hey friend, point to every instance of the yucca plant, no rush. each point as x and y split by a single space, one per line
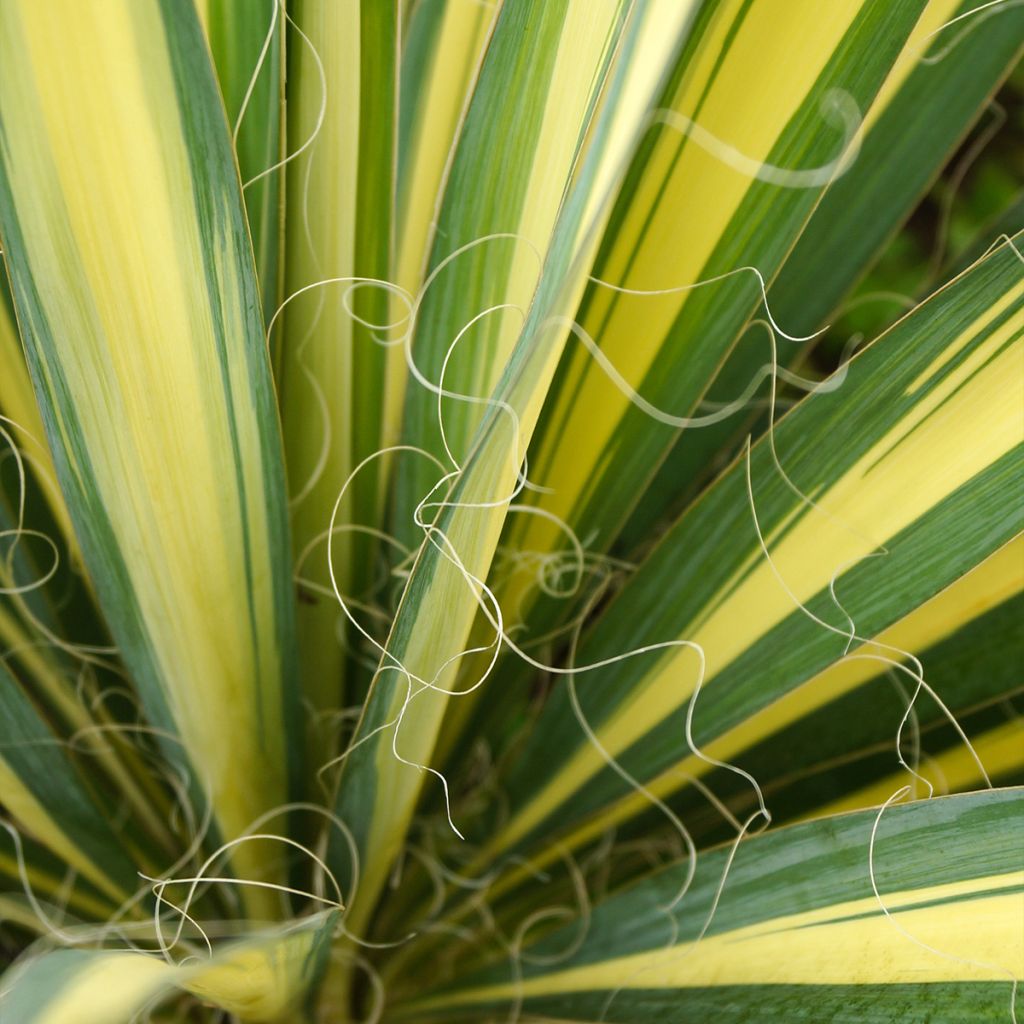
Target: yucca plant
451 569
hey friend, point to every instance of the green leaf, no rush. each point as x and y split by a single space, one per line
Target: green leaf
258 980
150 366
874 916
341 134
43 793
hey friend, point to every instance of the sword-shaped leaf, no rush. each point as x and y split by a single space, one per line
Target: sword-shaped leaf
131 270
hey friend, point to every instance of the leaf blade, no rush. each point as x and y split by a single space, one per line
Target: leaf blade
804 892
154 380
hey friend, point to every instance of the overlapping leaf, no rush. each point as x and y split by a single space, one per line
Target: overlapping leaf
442 596
773 574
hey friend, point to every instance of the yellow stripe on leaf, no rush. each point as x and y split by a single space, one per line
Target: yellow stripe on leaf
318 381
